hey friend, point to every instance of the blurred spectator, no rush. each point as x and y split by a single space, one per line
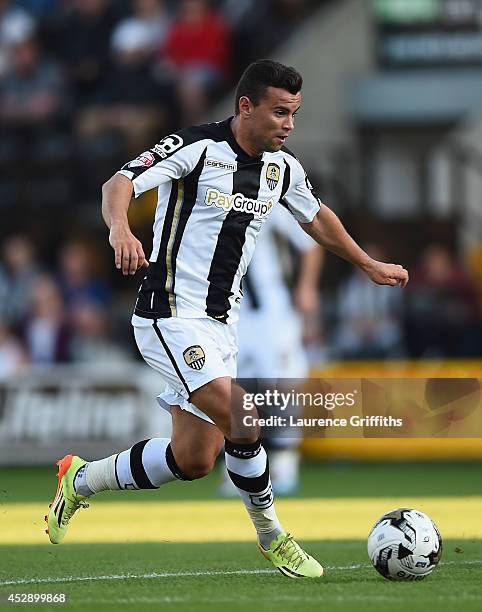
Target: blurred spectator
131 104
32 106
12 356
266 25
441 312
45 332
154 16
32 91
84 40
235 11
18 271
77 282
41 9
15 25
370 323
118 107
92 335
198 49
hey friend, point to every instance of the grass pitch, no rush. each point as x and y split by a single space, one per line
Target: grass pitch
159 569
215 576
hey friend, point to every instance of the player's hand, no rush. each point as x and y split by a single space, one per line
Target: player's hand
129 254
306 299
386 273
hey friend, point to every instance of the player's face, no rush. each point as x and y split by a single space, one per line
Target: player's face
273 118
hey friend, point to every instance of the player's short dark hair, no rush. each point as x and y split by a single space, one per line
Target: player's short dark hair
265 73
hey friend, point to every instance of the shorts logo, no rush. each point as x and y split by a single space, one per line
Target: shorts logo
194 357
273 173
214 163
238 202
145 159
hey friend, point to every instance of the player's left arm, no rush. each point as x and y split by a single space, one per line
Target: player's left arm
306 292
328 231
322 224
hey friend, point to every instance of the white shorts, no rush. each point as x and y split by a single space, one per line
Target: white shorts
270 345
187 353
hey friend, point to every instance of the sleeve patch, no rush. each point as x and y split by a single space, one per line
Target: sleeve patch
168 145
144 160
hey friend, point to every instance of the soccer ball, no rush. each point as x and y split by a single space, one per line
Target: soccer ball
404 544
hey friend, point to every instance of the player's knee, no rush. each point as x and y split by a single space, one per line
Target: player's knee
198 467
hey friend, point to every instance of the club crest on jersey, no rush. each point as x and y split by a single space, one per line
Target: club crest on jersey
194 357
238 202
273 173
145 159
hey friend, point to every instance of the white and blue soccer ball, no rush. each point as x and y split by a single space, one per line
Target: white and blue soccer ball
404 544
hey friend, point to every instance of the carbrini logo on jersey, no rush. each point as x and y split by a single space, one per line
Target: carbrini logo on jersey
238 202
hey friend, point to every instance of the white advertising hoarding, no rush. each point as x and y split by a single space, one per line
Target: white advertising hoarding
87 411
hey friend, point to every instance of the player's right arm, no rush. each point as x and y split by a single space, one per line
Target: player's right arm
116 197
173 157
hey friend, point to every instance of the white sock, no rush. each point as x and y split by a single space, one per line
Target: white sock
247 466
80 483
146 465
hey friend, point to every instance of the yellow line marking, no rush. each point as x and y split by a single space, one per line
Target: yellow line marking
226 520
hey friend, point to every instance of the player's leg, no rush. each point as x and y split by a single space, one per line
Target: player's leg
188 455
148 464
170 347
195 444
291 364
247 465
266 356
284 457
246 459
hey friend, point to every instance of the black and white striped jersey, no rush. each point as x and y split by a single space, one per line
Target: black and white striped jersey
213 199
265 288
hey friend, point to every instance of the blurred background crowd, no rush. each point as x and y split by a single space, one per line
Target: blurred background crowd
72 309
86 85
